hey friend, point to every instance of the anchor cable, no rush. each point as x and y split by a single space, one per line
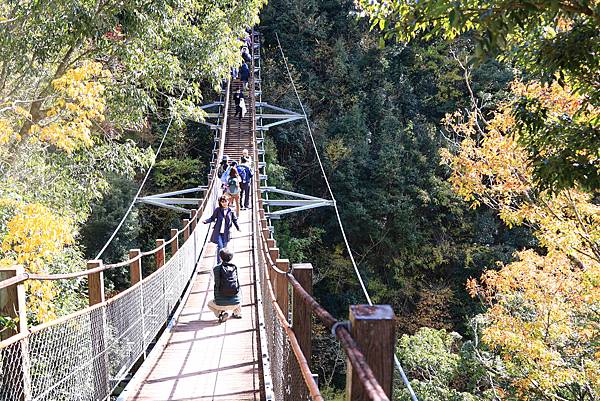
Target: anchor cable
135 198
337 213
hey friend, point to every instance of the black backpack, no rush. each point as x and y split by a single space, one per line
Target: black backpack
229 280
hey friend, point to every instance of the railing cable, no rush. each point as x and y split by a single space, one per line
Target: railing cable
141 185
337 213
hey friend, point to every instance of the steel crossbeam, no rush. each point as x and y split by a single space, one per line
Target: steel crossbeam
156 202
166 200
284 116
303 202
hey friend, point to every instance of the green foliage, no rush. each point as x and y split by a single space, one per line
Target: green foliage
553 42
415 241
8 323
177 173
441 368
84 88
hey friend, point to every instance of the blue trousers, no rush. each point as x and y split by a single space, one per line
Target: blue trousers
245 195
220 245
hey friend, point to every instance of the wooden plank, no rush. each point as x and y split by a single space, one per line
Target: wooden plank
12 301
175 243
160 254
205 360
135 268
95 283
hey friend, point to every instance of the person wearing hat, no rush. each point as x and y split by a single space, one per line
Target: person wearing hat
223 166
227 294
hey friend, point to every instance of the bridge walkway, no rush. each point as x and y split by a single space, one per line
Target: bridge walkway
202 359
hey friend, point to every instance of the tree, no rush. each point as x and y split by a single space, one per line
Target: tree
443 367
78 82
542 309
554 42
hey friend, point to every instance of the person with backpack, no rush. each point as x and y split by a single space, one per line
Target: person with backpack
227 295
234 184
224 218
246 179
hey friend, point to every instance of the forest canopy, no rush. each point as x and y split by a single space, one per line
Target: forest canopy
82 85
550 42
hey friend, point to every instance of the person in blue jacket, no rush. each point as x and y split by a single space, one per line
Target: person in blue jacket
224 218
246 179
245 74
227 294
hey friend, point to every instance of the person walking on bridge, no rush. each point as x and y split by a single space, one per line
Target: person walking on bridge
234 185
227 289
245 74
248 158
246 179
224 218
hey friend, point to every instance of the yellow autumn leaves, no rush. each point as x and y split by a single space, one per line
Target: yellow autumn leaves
542 309
34 233
79 103
69 113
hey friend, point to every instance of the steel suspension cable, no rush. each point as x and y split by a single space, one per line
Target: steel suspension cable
337 213
135 198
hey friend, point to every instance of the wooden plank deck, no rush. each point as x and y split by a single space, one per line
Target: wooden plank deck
205 360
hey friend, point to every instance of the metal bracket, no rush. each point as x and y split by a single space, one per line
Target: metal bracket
283 116
302 202
167 201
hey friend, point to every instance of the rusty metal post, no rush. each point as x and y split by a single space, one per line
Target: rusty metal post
160 254
301 311
175 243
374 330
135 267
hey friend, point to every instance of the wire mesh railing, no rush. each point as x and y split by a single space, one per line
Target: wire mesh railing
290 377
293 375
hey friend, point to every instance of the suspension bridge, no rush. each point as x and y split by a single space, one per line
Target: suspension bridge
157 340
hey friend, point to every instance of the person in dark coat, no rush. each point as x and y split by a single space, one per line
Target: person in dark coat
223 217
237 99
246 55
222 303
223 166
245 74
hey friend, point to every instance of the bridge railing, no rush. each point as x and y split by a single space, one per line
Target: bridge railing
85 355
290 344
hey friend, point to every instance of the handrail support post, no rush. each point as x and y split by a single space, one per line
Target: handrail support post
373 327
